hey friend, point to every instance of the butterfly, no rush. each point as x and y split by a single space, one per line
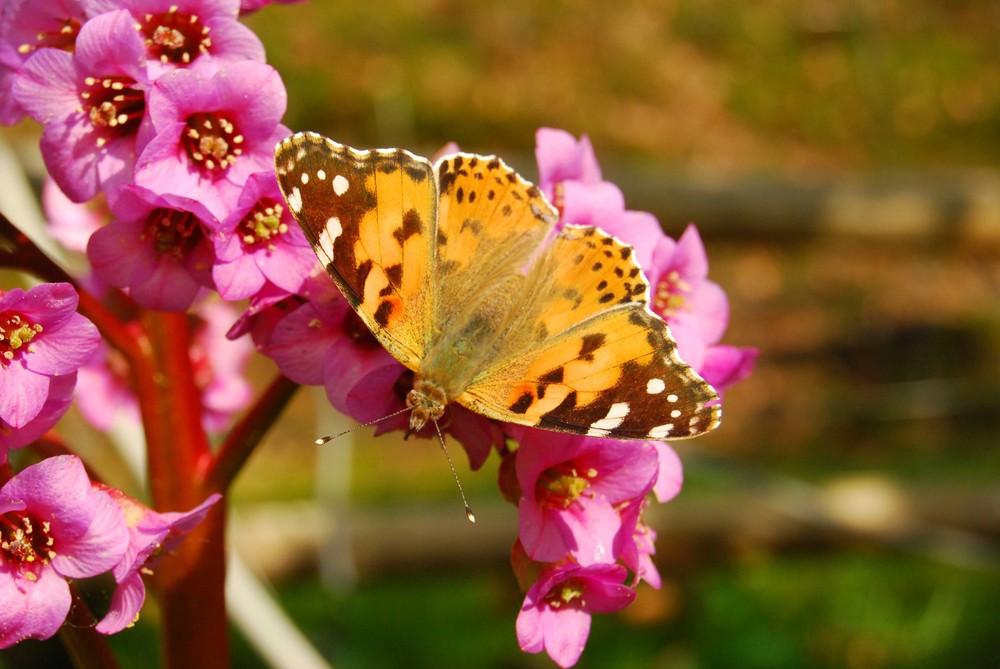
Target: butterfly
457 271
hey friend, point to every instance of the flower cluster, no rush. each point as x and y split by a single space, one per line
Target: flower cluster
57 526
167 111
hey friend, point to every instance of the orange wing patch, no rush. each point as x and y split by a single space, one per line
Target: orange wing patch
489 218
370 217
588 272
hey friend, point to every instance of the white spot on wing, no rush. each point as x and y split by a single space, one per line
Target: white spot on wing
295 199
616 414
671 397
321 175
328 235
655 386
340 184
305 178
661 431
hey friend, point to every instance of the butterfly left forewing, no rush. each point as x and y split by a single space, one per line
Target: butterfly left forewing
370 216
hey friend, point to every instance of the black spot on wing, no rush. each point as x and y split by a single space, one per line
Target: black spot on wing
591 343
383 312
412 225
446 178
553 376
523 403
416 172
395 274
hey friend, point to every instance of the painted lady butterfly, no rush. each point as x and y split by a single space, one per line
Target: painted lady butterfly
452 268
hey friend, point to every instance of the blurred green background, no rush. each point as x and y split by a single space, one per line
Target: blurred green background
840 159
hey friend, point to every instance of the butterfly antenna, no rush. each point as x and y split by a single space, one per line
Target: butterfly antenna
323 440
468 509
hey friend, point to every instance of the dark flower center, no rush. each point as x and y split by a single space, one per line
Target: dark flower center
62 36
175 37
212 142
568 593
113 105
561 485
671 294
262 224
173 232
25 543
16 331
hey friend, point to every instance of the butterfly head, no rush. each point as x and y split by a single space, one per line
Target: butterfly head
427 402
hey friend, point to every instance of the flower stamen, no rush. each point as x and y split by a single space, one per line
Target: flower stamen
16 331
671 294
175 37
211 141
263 223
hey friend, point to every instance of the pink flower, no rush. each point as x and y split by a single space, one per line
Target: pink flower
151 536
41 337
56 404
696 309
157 247
571 487
556 612
260 242
670 477
53 526
636 544
181 33
25 27
92 103
215 125
562 158
725 365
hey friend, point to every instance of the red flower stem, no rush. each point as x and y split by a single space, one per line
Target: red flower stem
247 434
88 648
190 582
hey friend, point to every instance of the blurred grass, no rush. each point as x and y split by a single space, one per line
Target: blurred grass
863 611
716 85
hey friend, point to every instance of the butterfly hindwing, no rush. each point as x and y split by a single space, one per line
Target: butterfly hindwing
599 362
370 216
